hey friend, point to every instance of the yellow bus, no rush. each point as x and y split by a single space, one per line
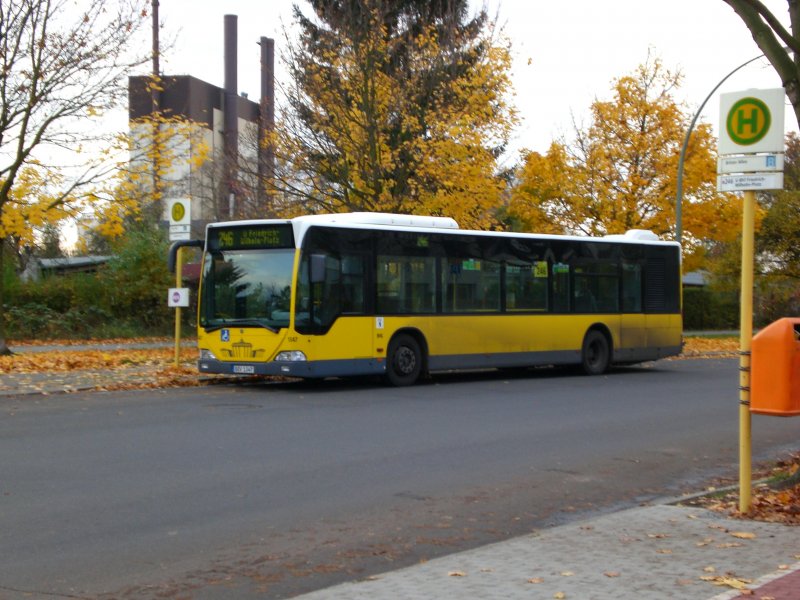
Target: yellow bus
402 296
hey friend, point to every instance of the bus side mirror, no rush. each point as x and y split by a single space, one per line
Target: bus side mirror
318 268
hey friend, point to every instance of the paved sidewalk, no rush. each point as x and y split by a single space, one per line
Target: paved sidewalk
648 553
26 384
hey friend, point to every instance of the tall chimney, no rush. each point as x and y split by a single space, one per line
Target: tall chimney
266 153
231 114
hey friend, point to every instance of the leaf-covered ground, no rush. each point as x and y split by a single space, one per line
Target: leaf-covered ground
775 498
70 369
71 360
710 346
155 367
75 359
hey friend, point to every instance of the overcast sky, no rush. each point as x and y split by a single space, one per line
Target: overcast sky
566 53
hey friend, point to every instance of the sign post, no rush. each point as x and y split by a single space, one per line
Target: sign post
179 211
751 159
178 277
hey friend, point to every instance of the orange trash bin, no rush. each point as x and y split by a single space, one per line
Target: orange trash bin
775 369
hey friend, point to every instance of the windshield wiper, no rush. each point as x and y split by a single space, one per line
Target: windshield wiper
239 323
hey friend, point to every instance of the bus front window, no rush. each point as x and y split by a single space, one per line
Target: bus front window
247 288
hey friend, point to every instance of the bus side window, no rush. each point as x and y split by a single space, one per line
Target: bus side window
327 300
585 299
406 284
631 287
526 286
561 291
388 279
596 287
470 284
352 284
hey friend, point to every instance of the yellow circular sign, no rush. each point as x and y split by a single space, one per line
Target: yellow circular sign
178 211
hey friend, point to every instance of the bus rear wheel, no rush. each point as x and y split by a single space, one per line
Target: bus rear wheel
404 361
596 353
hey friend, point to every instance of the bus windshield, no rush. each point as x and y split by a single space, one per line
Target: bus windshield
247 288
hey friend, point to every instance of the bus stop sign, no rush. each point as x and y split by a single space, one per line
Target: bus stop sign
179 213
751 141
751 122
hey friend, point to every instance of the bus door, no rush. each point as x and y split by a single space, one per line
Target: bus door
340 308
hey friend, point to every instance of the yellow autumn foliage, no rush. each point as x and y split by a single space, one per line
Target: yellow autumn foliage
370 135
31 205
620 172
155 143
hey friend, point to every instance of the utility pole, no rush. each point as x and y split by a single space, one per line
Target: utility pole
155 112
231 117
156 51
266 142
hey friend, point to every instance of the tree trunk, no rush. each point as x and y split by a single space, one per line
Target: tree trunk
793 93
4 349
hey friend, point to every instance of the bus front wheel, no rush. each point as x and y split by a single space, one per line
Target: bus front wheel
596 353
404 361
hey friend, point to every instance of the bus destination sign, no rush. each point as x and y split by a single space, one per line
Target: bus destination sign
251 237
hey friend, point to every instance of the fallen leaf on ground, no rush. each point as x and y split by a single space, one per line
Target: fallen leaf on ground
736 583
536 580
457 574
744 535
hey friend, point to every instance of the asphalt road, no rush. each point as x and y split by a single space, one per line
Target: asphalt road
271 490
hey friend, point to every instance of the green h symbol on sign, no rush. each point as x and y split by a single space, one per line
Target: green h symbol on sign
751 121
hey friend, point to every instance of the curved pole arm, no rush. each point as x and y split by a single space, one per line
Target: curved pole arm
679 192
173 251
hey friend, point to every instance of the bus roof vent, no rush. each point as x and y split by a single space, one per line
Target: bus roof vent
635 235
369 218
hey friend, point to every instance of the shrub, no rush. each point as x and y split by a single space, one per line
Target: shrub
708 309
776 297
125 298
136 280
34 320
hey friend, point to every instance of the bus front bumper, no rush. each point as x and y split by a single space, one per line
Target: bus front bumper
309 369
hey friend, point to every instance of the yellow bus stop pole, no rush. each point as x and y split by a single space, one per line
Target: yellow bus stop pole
178 282
745 344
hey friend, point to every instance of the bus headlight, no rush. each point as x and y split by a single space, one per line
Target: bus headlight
207 354
291 356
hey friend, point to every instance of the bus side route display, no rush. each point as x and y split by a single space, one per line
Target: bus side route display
247 237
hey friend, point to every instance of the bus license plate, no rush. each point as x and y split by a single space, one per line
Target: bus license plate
244 369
